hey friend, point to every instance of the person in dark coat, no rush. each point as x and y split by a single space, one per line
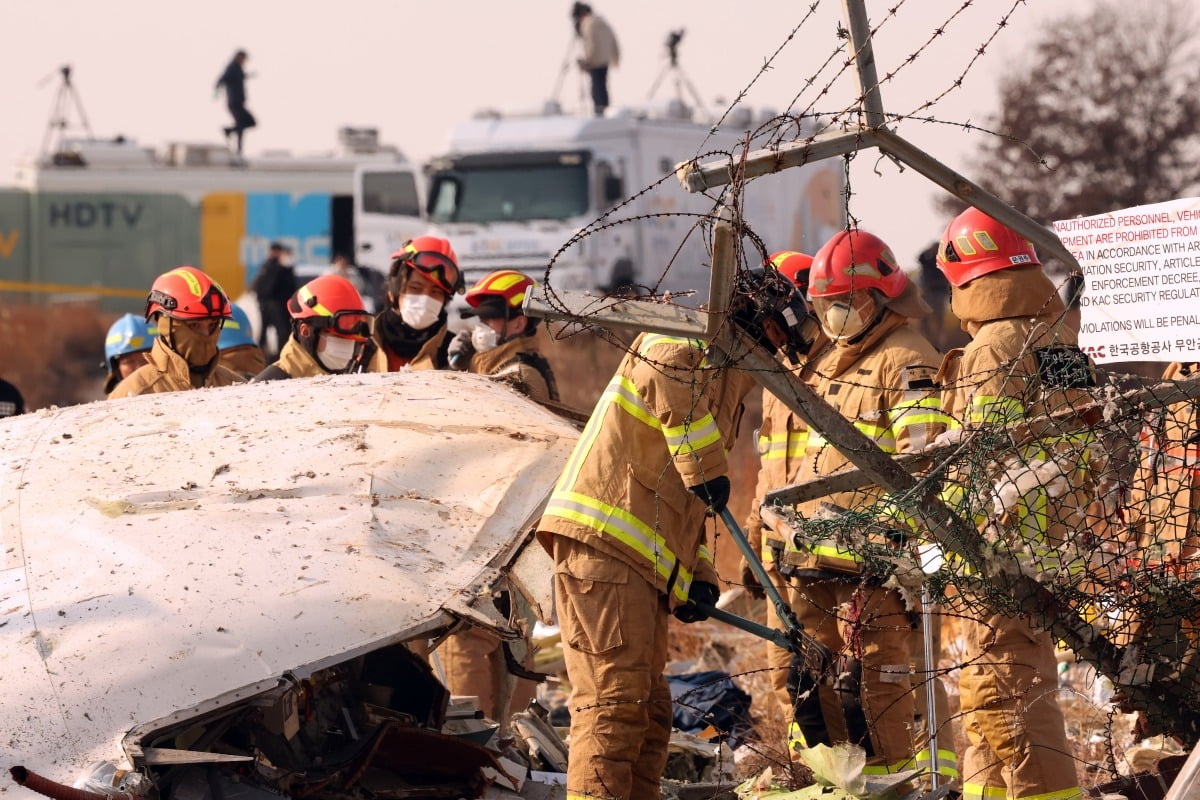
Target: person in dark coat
11 401
274 284
234 81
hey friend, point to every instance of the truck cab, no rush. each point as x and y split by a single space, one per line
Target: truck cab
592 203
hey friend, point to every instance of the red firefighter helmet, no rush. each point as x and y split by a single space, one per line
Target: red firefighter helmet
187 293
499 294
974 244
793 266
853 260
434 257
331 302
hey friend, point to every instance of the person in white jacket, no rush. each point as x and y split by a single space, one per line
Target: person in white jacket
600 51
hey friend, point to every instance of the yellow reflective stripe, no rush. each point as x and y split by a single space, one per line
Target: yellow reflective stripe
947 762
991 409
625 394
887 769
692 436
625 528
587 438
887 445
306 295
783 445
975 791
834 551
657 338
888 508
704 554
796 738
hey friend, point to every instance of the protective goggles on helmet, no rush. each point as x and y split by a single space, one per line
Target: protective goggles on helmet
439 268
352 324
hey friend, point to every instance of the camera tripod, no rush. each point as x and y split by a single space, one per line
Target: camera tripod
682 81
64 100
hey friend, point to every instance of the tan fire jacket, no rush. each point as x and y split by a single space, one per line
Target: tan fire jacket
885 386
168 372
298 362
1018 366
512 362
246 360
663 424
383 360
1164 499
782 442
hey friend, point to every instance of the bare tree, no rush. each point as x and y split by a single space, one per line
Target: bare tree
1105 115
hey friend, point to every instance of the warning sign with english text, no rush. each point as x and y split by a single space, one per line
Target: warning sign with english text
1141 271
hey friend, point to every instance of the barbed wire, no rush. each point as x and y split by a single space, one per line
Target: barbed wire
1093 505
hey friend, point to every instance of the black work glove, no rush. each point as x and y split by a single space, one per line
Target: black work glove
460 351
714 493
698 592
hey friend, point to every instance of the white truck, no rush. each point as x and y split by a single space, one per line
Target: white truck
511 191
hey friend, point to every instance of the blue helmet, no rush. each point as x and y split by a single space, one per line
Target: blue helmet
237 331
129 334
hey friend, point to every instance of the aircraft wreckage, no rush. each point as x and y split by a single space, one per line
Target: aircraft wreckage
207 594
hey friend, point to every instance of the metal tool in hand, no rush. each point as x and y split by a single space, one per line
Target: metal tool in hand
817 656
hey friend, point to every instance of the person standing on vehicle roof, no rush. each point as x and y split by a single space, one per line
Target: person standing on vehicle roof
239 352
412 332
330 328
126 348
878 375
233 79
274 285
187 308
600 51
1022 362
625 527
503 344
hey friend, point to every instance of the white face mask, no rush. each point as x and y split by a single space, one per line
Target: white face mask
484 338
419 311
335 353
846 317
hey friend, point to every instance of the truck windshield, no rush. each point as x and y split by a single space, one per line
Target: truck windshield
509 193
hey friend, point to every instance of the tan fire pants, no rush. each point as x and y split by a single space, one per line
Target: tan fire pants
779 661
614 634
1009 691
871 625
473 662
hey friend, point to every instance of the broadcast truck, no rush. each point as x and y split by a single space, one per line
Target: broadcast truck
512 192
105 216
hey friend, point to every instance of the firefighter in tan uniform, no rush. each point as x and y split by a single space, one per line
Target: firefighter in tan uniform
879 375
1021 362
411 332
240 352
126 347
782 440
1164 510
187 308
330 328
625 526
503 345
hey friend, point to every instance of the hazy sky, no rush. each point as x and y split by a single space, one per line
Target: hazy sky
146 69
